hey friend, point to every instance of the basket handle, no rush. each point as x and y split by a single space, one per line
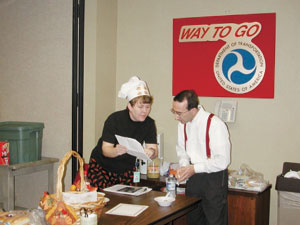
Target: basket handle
60 172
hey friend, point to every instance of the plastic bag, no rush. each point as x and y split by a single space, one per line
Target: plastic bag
288 199
246 178
30 217
37 217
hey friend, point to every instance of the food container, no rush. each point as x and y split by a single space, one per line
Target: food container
4 153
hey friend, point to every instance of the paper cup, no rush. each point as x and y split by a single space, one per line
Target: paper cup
91 219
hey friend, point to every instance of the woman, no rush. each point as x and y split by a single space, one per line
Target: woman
109 162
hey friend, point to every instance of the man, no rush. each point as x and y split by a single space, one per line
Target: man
203 149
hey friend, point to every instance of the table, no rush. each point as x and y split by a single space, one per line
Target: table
155 214
8 173
244 207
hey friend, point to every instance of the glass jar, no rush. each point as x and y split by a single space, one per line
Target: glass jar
153 168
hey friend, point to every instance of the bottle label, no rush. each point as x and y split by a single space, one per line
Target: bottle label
171 186
153 169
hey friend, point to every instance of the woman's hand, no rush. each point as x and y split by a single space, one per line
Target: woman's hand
110 151
151 150
120 149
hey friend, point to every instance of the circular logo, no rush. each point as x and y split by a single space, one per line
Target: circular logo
239 67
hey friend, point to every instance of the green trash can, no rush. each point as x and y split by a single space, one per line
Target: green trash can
25 140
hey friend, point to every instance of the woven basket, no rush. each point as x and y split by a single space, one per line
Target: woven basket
90 206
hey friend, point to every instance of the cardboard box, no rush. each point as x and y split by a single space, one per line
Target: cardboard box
288 210
4 153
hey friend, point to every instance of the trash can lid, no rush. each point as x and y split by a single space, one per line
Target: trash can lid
20 125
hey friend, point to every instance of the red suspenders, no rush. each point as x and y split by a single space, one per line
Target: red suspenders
207 135
185 136
208 154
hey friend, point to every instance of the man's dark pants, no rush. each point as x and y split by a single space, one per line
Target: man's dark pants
212 188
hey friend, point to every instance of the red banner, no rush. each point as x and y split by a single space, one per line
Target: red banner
225 56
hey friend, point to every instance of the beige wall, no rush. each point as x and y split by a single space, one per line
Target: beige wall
36 79
90 72
265 132
100 68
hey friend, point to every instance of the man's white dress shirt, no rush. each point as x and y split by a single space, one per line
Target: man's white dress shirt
195 152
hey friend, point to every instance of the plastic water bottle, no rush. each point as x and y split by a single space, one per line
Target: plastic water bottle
171 185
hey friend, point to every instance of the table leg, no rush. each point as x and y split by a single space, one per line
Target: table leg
11 191
50 179
2 187
8 189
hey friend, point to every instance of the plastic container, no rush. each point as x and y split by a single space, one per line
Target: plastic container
153 168
4 153
171 185
25 140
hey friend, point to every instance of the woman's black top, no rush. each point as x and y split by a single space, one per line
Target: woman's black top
121 124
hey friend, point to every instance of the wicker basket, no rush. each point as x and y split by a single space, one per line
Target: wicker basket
90 206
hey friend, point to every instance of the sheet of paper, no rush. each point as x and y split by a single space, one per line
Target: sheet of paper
133 146
123 209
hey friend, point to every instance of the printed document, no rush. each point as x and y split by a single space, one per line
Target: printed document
133 146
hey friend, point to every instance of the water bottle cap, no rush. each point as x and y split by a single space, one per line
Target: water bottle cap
173 172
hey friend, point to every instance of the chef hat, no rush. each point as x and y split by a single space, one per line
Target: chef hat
133 88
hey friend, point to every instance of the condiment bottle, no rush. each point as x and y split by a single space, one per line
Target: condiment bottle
153 168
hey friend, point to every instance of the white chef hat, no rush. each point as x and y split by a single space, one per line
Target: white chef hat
133 88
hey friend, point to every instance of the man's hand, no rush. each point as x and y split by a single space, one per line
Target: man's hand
185 172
